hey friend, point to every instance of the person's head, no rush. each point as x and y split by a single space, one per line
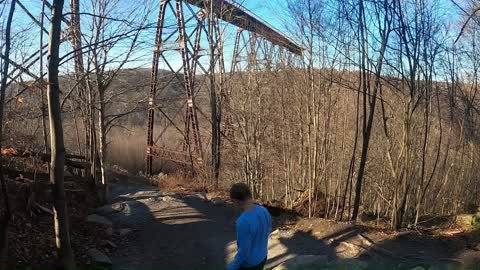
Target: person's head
240 194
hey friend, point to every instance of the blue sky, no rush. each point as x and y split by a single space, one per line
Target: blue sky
272 11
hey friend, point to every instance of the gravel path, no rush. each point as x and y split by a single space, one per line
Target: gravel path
171 232
185 232
177 232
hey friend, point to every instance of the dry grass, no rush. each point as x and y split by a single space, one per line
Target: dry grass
180 182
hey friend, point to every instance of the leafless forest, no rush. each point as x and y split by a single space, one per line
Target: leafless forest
377 121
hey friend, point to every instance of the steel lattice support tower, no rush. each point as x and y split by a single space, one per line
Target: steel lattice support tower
192 153
188 48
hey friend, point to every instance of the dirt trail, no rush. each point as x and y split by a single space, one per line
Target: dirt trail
171 232
183 232
174 231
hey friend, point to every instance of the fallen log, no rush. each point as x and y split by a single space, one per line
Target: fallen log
372 245
332 240
45 157
44 209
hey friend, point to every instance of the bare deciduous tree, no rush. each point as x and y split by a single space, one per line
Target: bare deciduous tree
6 214
62 233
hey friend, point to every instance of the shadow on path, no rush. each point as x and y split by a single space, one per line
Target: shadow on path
187 232
171 232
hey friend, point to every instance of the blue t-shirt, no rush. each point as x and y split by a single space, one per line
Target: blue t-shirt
253 228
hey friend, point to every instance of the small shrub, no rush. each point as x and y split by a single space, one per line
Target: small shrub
179 182
476 221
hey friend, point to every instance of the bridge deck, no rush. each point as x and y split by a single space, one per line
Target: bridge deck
237 15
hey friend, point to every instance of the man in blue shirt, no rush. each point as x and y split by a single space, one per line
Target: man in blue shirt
253 229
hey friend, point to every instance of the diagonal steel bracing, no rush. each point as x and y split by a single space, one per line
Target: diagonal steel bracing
254 42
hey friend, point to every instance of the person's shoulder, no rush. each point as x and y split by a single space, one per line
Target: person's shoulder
243 222
242 219
263 209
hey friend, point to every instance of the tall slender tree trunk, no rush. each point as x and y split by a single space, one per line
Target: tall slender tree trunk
372 98
214 97
79 77
424 153
103 187
92 137
5 217
351 166
365 130
62 234
42 84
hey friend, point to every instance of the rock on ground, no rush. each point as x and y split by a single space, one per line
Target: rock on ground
94 218
108 243
201 196
140 194
347 250
124 231
110 209
98 257
282 233
168 198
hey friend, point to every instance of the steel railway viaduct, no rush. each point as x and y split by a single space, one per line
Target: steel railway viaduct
204 17
189 34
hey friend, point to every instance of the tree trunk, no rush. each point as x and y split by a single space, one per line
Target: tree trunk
92 143
365 127
351 166
42 84
214 100
80 73
103 188
372 99
5 217
62 235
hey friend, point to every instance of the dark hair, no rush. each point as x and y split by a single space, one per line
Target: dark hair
240 191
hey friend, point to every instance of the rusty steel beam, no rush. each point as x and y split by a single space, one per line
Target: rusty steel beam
236 14
25 69
253 33
19 67
172 155
153 86
194 141
192 146
31 16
